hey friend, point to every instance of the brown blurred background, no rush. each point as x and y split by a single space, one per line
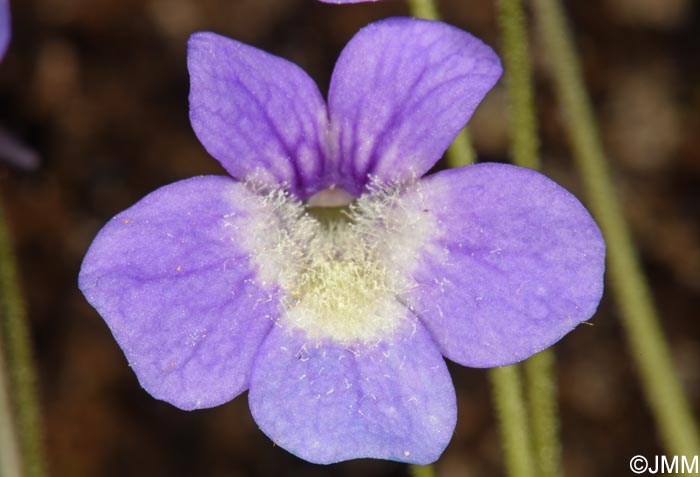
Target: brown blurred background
99 88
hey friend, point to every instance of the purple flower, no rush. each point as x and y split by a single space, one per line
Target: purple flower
5 30
336 319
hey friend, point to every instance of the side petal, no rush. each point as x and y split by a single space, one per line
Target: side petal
401 91
326 403
174 282
260 116
516 263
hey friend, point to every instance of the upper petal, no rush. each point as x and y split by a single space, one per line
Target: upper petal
172 278
516 263
326 403
401 91
261 116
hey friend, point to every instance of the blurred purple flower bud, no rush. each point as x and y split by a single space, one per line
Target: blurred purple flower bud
5 28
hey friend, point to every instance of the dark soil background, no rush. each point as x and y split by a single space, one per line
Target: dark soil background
99 89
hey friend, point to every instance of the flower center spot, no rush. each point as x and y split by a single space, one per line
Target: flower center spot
340 269
346 298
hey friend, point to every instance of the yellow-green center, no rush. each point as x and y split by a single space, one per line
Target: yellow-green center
340 269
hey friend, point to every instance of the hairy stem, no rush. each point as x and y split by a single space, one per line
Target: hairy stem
460 153
649 348
424 9
512 418
518 79
10 460
14 343
544 419
422 471
539 370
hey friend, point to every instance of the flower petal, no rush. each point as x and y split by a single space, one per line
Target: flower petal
401 91
261 116
5 28
517 262
173 280
326 403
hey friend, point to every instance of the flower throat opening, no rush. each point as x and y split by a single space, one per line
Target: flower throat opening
340 268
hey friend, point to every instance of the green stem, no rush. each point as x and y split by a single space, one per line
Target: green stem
649 348
460 153
544 421
422 471
518 79
10 461
512 417
509 405
539 370
423 9
15 344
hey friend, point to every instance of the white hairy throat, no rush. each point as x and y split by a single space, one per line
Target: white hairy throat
341 269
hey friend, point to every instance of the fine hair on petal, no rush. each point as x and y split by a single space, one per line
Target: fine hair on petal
341 279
